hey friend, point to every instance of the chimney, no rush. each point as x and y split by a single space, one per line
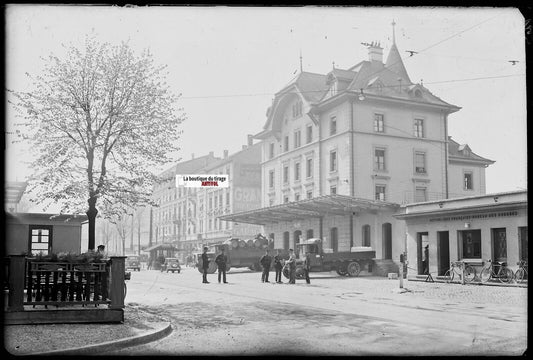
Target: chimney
225 154
211 154
375 52
250 140
244 147
192 156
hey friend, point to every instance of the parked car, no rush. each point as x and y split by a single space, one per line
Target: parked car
171 264
133 262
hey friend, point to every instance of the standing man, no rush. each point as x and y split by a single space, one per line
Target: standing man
266 261
426 260
278 266
205 265
221 261
292 267
307 267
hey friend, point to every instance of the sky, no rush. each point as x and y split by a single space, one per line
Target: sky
228 63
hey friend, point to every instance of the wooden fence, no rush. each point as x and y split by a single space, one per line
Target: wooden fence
56 292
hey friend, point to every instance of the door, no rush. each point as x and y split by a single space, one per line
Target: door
499 244
443 249
421 246
386 233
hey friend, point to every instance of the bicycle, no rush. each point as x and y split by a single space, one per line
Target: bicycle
459 268
521 274
497 270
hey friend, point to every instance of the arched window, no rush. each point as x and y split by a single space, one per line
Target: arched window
309 234
366 235
286 240
334 239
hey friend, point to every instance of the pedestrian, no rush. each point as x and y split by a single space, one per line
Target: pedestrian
426 260
307 267
205 265
292 267
100 250
278 266
221 261
150 261
266 261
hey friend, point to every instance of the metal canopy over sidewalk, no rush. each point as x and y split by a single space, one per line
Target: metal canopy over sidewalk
309 208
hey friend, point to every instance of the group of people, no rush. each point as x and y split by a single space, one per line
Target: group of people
266 262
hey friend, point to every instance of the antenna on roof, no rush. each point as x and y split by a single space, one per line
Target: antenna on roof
301 64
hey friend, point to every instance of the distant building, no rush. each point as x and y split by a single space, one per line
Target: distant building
243 193
175 216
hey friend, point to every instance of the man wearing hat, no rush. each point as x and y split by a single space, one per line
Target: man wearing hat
266 261
205 265
221 261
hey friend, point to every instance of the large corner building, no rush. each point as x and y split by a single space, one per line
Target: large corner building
342 151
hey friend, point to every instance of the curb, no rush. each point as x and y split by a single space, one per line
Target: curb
113 345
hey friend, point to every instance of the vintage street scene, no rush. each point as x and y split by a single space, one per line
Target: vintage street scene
276 181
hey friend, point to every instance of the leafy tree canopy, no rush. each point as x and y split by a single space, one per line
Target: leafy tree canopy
99 120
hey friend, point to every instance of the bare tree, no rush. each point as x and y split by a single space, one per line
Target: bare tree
100 121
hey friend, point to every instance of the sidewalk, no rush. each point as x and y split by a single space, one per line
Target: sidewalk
78 339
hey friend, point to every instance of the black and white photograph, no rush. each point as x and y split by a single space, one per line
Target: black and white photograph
265 180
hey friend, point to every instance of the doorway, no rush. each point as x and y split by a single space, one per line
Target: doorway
386 236
499 244
443 250
422 244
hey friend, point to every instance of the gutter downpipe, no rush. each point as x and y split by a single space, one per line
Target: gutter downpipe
352 168
446 154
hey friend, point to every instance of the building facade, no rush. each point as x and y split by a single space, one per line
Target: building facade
367 133
243 193
473 229
189 217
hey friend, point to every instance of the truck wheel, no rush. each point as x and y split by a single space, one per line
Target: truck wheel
300 273
341 272
227 268
212 267
285 271
353 268
257 267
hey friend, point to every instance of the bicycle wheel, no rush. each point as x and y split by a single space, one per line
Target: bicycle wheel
519 275
506 275
448 276
486 274
469 273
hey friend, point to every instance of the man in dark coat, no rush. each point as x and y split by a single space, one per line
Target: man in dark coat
221 260
266 261
307 267
278 266
205 265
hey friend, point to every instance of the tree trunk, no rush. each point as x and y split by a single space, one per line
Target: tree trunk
91 216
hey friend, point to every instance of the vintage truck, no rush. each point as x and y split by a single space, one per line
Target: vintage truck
345 263
240 254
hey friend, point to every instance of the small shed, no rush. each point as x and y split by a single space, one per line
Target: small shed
35 232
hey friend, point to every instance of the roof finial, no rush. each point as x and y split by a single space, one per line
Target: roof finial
393 32
301 64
